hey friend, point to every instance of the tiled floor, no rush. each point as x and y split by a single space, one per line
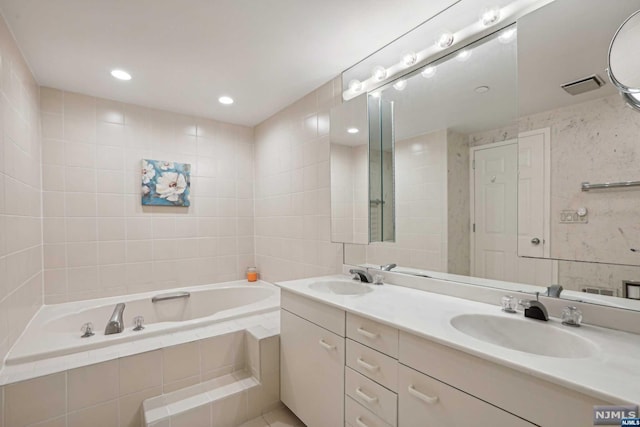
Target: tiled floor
281 417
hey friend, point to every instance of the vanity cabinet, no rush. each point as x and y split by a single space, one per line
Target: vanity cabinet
338 368
312 361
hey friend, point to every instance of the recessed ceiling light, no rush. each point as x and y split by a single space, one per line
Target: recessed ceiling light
353 130
226 100
121 74
482 89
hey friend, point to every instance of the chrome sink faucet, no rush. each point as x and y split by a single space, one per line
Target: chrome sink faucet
361 274
535 309
554 291
388 267
115 324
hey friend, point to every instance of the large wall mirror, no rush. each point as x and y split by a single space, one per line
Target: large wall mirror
492 146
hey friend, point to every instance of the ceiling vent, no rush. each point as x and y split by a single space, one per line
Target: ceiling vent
583 85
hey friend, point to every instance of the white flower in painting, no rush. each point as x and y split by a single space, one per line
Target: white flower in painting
166 165
148 172
170 186
145 190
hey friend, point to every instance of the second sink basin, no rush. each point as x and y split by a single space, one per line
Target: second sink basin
526 335
340 287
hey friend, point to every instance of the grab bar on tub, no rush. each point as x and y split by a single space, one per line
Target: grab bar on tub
170 295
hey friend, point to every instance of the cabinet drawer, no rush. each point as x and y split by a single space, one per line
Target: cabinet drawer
357 416
324 315
373 334
374 397
424 401
373 364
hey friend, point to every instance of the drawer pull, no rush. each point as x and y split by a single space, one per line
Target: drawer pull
367 334
360 422
365 396
369 367
327 346
427 399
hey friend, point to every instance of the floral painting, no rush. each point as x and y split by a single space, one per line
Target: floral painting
165 183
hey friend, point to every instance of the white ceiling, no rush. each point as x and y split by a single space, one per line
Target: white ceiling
183 55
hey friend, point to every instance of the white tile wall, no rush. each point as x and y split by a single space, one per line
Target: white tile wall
292 199
99 240
20 188
421 206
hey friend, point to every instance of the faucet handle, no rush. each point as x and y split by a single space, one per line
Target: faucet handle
87 330
138 322
509 304
571 316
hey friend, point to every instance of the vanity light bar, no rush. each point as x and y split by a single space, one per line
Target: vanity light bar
478 29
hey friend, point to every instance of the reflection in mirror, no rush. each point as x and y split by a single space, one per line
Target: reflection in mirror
570 127
381 171
349 143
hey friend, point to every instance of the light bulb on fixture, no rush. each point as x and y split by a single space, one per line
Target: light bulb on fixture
490 17
409 59
463 55
353 130
355 85
379 73
400 85
429 72
507 35
445 40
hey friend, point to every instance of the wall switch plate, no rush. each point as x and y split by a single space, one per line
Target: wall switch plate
572 217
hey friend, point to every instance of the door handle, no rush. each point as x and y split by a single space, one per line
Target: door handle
324 344
364 396
535 241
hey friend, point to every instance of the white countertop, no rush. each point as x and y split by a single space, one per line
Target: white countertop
612 374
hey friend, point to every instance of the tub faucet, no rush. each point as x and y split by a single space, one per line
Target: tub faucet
554 291
361 274
115 324
388 267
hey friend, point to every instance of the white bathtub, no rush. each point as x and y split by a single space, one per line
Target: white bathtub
55 330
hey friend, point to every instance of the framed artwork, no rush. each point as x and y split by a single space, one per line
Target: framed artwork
165 183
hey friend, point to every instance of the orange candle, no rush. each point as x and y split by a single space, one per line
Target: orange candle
252 274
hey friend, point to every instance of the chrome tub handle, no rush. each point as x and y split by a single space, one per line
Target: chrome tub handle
170 295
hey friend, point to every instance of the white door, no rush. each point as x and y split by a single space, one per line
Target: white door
502 216
495 212
533 194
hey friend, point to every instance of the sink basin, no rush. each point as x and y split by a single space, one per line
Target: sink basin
340 287
526 335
